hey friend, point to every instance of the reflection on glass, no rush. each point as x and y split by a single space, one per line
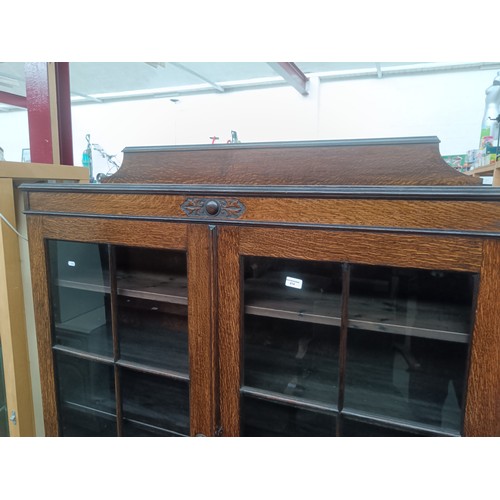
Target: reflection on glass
408 335
291 358
155 400
86 397
138 429
79 285
407 344
153 333
4 419
266 419
355 428
295 290
291 327
152 307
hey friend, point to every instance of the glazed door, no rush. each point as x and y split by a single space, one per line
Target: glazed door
348 334
123 351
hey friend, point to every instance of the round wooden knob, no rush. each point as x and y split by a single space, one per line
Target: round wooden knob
212 207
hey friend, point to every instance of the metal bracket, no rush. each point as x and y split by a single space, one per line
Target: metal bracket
13 417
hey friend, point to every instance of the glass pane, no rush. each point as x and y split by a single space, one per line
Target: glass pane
155 400
266 419
4 419
86 397
136 429
291 329
79 285
152 307
355 428
407 344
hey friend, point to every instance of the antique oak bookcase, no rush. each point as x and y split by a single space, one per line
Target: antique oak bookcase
322 288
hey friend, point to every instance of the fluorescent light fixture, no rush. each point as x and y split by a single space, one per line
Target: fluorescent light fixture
178 90
403 69
151 92
252 81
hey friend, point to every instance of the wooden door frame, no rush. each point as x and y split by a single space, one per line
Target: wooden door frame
144 234
443 252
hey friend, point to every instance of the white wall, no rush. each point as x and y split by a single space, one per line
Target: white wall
14 134
448 105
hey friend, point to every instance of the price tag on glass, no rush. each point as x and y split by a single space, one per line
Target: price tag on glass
293 282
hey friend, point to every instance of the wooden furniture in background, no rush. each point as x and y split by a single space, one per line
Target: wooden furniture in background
492 170
315 288
17 333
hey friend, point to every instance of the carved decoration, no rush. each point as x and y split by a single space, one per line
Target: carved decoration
230 208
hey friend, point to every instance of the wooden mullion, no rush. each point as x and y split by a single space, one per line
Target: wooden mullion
201 330
77 353
115 337
138 367
296 402
344 323
230 329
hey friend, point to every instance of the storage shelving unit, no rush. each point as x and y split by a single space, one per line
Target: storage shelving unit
319 288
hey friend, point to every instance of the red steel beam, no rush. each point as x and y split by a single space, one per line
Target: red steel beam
64 113
49 112
292 74
12 99
38 104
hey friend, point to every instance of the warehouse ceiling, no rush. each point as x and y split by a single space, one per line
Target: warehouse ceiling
93 82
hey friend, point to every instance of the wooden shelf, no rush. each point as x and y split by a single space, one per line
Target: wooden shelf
20 171
435 321
380 398
493 169
161 288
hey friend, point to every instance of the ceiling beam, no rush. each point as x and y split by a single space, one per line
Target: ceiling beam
86 96
13 99
198 75
292 74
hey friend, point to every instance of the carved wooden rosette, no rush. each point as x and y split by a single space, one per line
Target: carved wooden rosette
209 207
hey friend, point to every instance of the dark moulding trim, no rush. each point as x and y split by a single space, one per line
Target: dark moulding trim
457 193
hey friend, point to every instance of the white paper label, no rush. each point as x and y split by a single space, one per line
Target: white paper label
293 282
71 263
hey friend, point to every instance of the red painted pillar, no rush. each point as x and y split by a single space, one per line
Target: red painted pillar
38 104
64 113
50 136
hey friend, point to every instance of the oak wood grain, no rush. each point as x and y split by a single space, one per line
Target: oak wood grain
117 232
107 204
202 328
482 415
230 328
316 164
399 250
442 215
42 322
449 215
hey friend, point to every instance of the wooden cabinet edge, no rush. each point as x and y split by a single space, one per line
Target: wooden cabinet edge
42 324
482 414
